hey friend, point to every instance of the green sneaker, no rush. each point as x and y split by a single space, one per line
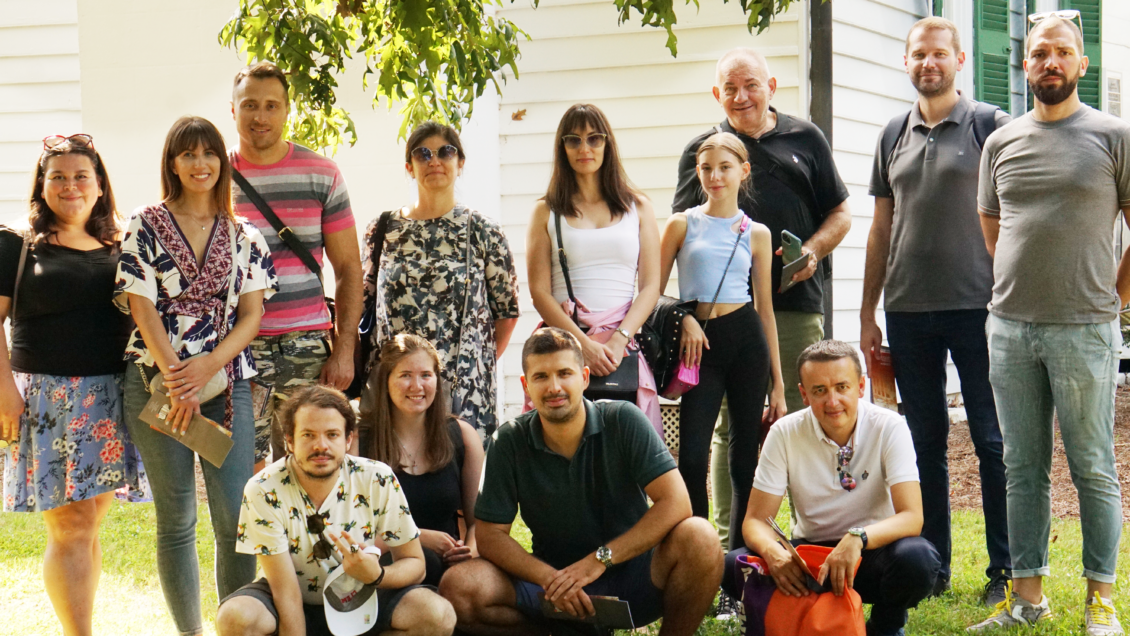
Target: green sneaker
1102 620
1013 611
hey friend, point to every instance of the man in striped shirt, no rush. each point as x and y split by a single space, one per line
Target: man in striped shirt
297 343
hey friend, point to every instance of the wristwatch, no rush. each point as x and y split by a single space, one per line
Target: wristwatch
861 533
604 555
623 332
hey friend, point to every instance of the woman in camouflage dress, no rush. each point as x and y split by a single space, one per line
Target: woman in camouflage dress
445 273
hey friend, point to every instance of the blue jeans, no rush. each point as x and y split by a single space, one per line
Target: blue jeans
919 342
170 466
1039 370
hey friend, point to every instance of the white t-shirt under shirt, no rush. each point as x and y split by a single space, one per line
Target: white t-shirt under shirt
798 458
367 502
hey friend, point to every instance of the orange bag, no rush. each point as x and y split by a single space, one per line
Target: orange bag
822 614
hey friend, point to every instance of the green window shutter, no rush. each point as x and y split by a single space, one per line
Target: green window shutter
938 7
991 48
1090 85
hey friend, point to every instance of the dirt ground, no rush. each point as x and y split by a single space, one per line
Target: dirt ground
965 481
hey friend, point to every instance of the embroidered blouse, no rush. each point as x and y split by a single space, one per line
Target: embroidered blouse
158 263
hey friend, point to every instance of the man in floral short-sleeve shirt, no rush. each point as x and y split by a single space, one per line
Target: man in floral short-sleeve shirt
318 508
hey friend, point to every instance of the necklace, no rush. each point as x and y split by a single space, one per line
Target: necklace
411 458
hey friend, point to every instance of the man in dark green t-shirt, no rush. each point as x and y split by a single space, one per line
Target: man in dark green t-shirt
581 474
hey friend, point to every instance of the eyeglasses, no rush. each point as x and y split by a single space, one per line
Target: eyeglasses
80 140
316 524
1066 14
425 154
594 141
843 459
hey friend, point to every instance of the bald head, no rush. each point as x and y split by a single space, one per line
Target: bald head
741 57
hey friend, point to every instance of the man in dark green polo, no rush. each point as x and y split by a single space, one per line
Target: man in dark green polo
581 474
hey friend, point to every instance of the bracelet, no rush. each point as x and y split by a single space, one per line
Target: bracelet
377 583
622 332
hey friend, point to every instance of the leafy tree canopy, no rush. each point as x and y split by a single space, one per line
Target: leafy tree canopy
431 56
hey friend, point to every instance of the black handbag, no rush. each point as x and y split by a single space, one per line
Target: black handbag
624 382
659 337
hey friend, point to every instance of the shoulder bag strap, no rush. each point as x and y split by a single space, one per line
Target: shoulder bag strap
285 233
19 275
564 261
231 279
726 270
377 247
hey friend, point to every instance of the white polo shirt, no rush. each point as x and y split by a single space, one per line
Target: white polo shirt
798 458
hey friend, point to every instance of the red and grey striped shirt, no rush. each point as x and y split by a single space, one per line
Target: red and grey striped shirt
307 192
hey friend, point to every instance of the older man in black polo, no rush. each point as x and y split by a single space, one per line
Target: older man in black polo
581 474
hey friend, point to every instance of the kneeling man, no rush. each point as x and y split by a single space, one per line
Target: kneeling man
850 472
581 473
316 509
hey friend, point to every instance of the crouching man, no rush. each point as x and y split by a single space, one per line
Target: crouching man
581 474
850 472
316 509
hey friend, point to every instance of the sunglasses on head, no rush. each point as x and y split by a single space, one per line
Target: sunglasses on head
425 154
843 459
594 140
316 524
1066 14
80 140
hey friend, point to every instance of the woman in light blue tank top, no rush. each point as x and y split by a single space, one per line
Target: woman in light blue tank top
722 256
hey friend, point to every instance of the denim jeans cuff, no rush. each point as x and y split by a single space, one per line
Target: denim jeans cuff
1098 577
1024 574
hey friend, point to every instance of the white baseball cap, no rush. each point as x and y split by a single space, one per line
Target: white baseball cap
350 605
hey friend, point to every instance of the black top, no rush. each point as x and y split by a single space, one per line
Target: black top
568 512
65 323
435 498
773 203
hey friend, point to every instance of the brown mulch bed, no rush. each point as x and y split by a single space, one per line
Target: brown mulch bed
965 481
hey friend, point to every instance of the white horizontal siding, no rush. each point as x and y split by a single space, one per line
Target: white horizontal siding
656 103
39 90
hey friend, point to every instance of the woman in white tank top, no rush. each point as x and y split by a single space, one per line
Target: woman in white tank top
609 233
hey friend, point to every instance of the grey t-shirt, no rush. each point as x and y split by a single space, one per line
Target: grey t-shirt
938 259
1057 188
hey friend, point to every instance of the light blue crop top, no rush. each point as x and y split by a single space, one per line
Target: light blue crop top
705 251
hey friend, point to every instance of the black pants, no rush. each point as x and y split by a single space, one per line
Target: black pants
892 579
736 366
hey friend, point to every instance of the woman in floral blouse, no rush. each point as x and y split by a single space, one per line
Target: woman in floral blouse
174 276
61 393
446 274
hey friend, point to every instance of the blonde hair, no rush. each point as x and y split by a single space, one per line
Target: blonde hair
933 23
730 143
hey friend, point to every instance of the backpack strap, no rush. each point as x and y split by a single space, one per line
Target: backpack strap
893 131
984 122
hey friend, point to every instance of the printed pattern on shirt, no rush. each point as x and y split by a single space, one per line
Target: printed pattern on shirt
307 192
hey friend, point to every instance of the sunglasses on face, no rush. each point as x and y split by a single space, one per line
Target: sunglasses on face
80 140
594 141
316 524
843 459
425 154
1066 14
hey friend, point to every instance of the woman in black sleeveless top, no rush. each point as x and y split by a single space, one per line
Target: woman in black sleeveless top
437 458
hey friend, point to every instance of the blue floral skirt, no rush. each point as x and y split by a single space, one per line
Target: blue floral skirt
72 444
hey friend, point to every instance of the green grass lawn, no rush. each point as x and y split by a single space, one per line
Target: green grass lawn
130 601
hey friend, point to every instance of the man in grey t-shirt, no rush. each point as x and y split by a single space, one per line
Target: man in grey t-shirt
926 255
1052 185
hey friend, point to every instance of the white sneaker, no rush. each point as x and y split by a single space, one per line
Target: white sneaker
1102 620
1014 610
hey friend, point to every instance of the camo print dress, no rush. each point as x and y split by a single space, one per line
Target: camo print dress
420 288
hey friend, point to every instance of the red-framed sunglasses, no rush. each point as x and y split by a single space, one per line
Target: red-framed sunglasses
81 140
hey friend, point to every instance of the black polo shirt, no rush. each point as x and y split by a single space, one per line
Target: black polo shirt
773 203
558 498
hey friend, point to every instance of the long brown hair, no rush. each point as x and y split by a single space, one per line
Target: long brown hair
615 187
104 222
438 447
186 134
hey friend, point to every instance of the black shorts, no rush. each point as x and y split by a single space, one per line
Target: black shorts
387 600
629 581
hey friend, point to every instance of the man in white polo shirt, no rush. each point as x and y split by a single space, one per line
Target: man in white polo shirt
850 472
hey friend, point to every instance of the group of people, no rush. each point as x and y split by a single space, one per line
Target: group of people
222 279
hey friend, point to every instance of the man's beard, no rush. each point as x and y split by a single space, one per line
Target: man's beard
944 84
331 470
561 414
1051 95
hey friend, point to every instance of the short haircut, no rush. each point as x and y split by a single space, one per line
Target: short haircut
935 23
828 351
551 340
741 52
432 129
262 70
318 396
1052 22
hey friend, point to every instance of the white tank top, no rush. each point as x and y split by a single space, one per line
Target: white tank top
602 262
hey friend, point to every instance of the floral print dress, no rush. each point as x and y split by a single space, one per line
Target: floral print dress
421 288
